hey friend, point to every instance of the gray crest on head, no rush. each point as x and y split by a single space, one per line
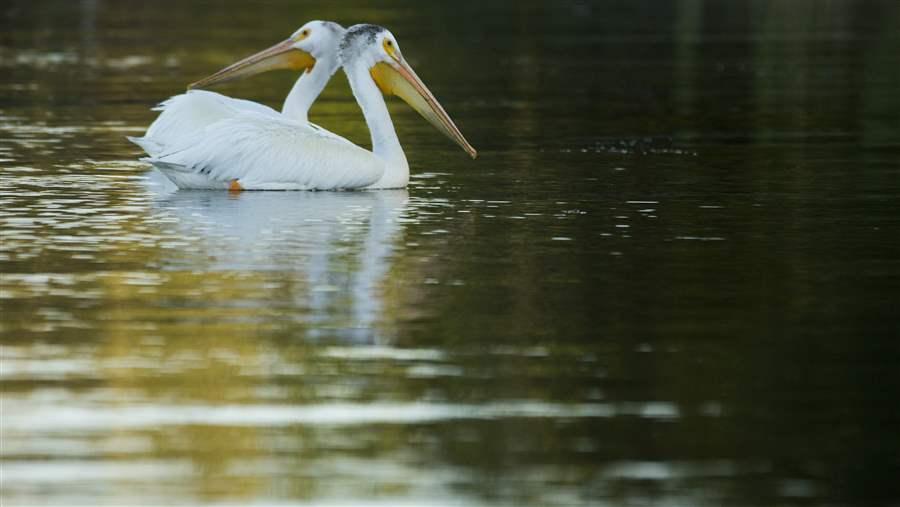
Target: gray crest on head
357 38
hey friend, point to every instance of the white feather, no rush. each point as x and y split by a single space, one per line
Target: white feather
185 114
266 152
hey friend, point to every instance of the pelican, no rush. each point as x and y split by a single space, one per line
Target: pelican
312 49
257 151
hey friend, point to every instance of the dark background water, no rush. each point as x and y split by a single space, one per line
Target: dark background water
671 277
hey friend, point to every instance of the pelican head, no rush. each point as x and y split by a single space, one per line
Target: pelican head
315 43
377 49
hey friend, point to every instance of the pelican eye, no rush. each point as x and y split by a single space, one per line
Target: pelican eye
390 47
302 35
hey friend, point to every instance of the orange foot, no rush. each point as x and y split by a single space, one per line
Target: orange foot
235 186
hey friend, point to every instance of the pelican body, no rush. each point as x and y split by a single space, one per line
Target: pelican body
253 149
311 49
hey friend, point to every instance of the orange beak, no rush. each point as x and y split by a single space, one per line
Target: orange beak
280 56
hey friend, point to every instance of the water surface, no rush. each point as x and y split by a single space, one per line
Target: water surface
670 278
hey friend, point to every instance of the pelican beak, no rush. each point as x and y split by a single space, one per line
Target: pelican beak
397 78
280 56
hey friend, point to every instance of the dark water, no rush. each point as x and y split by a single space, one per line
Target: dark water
671 278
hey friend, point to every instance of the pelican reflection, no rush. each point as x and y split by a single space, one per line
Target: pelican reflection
330 250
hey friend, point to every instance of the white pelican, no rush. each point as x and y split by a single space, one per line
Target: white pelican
255 151
313 49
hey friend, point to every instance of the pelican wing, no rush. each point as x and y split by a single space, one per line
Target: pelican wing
185 114
270 152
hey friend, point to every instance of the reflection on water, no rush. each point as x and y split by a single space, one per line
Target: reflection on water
338 243
669 278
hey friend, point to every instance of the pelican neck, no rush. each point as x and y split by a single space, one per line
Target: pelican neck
385 144
306 90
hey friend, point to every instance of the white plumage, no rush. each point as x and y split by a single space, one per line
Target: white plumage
266 152
191 112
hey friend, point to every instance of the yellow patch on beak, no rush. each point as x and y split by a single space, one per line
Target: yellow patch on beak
399 79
